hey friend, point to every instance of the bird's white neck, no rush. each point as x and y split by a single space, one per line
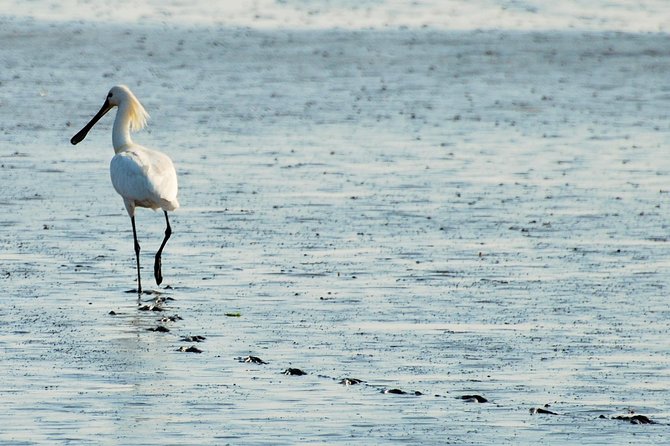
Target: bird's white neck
121 132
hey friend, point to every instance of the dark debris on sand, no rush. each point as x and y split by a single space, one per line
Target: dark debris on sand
351 381
251 360
146 292
473 399
401 392
541 411
633 419
193 338
153 307
191 349
293 372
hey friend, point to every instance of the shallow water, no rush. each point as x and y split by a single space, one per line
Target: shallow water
453 213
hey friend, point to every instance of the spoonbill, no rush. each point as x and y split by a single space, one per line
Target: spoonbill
143 177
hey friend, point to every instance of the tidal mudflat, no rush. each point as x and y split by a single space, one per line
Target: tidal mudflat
410 235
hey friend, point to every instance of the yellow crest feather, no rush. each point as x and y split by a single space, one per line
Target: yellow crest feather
137 114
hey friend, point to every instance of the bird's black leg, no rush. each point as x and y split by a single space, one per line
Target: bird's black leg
137 256
157 263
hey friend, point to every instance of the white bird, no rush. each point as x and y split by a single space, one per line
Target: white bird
143 177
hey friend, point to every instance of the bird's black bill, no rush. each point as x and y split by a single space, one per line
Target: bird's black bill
79 137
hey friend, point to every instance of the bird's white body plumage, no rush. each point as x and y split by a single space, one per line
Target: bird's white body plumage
143 177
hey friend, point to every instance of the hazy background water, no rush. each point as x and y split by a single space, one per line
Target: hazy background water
472 207
526 15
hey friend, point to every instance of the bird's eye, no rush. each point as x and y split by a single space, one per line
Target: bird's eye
109 95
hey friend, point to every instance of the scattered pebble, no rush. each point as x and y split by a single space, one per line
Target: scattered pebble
151 308
194 338
254 360
351 381
633 419
112 313
191 349
473 399
395 391
294 372
401 392
541 411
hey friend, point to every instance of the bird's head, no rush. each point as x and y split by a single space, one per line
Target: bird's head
118 96
121 96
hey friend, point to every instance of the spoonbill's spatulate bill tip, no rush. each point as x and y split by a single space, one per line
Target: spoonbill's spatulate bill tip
143 177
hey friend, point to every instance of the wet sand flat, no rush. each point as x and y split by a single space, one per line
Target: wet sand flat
445 212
